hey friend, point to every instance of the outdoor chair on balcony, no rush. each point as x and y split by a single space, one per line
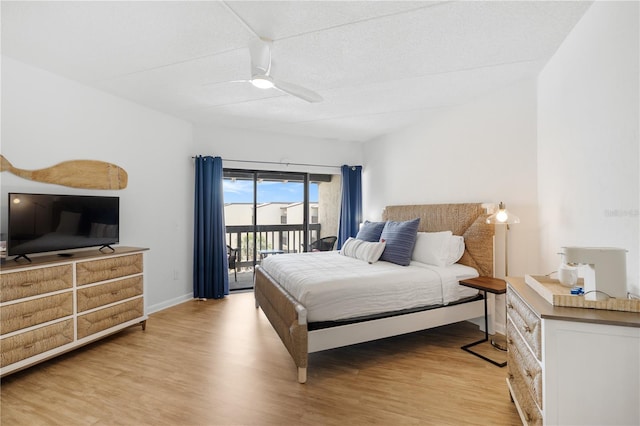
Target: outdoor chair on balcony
323 244
232 256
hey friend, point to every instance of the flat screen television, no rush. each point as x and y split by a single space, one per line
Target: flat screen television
40 223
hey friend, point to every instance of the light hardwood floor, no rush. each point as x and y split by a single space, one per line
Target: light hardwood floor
220 362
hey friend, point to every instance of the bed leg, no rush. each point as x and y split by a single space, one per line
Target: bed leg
302 375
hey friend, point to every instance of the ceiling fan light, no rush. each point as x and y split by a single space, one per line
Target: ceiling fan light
262 82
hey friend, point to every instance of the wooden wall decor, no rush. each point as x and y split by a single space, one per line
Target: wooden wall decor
87 174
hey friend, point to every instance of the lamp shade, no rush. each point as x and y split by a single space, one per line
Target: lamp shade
503 216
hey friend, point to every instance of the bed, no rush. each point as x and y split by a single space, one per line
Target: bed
306 329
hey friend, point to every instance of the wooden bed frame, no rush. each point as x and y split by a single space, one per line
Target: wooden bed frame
289 317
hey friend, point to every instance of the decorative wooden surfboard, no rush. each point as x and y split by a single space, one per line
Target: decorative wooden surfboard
87 174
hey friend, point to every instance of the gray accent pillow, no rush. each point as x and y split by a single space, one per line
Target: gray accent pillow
400 238
370 231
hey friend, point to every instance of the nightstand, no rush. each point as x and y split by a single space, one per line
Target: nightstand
486 285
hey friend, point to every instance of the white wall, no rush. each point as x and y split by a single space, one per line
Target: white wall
254 146
588 156
483 151
47 119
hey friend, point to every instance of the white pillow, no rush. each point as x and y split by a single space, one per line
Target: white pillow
456 249
438 248
432 248
363 250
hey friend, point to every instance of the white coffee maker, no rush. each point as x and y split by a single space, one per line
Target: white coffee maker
605 271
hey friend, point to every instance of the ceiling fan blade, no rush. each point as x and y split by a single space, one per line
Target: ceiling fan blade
218 83
260 51
295 90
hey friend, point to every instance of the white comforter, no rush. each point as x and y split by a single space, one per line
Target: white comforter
332 286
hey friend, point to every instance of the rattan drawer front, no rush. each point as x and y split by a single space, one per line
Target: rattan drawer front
106 269
526 321
104 294
109 317
17 285
37 311
25 345
523 364
532 415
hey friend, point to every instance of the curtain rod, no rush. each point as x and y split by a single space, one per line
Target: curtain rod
279 162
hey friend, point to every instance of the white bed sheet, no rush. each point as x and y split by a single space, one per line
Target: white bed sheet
334 287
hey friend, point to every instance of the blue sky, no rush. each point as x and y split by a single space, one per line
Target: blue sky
241 191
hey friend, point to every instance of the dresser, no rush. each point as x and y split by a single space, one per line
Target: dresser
55 304
570 366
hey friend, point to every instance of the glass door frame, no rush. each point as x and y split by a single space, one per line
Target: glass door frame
275 175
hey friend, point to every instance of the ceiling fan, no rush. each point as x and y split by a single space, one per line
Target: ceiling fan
261 77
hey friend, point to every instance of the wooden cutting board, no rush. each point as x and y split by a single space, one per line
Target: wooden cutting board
88 174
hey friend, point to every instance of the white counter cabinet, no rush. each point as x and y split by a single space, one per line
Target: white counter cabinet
571 366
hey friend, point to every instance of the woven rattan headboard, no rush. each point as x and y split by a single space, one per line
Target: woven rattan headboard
468 220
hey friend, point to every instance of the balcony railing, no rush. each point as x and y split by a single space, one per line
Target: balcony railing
287 238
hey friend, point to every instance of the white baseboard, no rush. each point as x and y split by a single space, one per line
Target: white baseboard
169 303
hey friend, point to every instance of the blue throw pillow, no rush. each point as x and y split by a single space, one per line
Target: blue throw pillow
370 231
400 238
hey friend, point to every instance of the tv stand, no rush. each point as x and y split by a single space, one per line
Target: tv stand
15 259
107 246
56 304
65 254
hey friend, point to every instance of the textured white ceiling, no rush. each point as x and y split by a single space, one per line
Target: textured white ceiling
379 65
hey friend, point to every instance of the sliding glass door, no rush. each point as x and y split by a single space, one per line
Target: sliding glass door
239 197
268 213
282 217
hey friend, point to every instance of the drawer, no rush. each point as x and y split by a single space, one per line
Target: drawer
109 317
105 269
20 284
523 365
525 321
531 414
37 311
104 294
25 345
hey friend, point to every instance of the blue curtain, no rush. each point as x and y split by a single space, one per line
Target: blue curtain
210 263
351 205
